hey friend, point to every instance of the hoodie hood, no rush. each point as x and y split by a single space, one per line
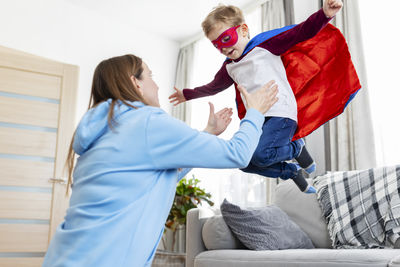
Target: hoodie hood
95 123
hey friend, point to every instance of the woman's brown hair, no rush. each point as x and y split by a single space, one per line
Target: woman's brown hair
111 80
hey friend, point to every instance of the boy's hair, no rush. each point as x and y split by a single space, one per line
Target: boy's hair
230 15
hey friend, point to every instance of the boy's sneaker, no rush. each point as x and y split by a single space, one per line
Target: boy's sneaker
302 184
310 190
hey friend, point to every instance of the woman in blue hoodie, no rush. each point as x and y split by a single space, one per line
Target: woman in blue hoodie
131 155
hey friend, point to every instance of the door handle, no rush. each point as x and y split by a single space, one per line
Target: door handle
58 180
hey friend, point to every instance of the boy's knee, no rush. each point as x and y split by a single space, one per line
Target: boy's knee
264 158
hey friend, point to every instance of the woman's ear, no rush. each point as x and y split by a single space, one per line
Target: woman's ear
136 84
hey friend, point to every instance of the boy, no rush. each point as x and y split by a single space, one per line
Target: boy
252 63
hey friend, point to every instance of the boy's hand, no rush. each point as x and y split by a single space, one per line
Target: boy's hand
331 7
177 97
218 122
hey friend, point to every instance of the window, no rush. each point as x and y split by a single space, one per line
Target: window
382 56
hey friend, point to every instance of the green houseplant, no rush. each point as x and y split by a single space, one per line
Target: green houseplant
188 196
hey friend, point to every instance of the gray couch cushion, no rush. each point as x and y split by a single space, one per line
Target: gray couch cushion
265 228
298 258
305 211
217 235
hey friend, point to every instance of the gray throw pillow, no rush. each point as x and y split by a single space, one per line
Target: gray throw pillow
267 228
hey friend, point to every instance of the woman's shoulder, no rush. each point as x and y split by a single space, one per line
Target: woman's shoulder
159 116
145 112
140 107
152 111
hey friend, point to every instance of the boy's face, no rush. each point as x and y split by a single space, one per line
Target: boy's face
223 33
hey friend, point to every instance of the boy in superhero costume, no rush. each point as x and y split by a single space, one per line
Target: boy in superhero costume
311 65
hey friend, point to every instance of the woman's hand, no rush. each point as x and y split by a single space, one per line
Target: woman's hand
331 7
177 97
218 122
262 99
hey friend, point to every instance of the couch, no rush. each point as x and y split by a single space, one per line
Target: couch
225 250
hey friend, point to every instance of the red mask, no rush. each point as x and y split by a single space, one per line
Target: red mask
227 39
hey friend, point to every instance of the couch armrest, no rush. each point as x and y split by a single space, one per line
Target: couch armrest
194 240
395 262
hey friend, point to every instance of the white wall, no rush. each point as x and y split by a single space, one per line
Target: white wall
62 31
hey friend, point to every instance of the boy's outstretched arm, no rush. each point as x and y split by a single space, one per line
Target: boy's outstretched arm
279 44
221 81
331 7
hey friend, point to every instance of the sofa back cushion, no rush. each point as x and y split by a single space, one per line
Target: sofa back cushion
217 235
305 211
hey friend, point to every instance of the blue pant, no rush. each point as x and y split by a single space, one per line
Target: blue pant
274 148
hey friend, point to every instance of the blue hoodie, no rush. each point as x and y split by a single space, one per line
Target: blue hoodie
125 180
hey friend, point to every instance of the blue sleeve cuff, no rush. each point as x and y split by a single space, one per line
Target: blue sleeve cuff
255 116
183 173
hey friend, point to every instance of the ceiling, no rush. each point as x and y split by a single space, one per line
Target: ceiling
178 20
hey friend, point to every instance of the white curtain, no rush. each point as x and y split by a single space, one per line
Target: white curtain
183 78
349 137
276 14
272 15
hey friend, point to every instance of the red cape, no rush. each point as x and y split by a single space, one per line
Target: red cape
322 77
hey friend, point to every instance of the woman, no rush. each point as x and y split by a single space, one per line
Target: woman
130 157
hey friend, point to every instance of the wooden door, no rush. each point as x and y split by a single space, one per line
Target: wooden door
37 109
